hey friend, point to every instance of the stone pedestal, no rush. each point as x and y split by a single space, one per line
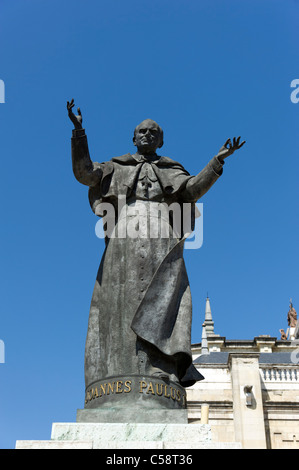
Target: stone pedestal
124 436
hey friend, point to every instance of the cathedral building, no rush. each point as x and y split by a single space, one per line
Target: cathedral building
250 394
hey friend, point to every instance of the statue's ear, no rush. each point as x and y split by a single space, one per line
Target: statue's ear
134 141
161 139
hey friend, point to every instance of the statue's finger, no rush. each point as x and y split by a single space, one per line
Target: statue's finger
227 142
244 142
79 111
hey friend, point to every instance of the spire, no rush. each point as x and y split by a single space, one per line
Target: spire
204 341
209 324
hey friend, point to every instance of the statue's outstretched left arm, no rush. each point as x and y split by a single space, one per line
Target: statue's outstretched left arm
198 185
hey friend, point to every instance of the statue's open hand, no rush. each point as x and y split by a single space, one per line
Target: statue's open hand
228 148
76 120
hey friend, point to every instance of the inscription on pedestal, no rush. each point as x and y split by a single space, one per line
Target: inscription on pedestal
121 391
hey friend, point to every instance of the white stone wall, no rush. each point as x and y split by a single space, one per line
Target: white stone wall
279 401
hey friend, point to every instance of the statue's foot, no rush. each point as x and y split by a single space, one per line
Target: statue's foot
167 377
162 375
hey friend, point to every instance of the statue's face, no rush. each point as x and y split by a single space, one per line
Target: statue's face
147 136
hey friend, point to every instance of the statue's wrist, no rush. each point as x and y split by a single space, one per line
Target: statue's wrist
78 132
219 160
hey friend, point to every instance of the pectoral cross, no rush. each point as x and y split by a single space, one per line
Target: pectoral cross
146 184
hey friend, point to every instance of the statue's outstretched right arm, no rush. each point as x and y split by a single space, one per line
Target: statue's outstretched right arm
85 171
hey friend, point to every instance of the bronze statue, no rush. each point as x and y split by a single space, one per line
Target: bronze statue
140 314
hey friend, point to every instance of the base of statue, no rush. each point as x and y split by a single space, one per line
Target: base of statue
128 436
123 436
132 415
142 392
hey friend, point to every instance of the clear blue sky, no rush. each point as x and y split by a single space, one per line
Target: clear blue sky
205 71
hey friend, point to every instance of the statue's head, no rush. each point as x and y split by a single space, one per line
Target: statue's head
148 136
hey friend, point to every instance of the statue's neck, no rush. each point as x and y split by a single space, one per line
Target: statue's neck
148 156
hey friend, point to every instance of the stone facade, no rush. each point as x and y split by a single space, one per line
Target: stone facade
251 388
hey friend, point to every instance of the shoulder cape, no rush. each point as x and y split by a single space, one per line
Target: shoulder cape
172 177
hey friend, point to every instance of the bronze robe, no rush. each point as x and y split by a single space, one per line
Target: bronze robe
141 310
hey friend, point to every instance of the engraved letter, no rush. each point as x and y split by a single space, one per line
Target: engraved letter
128 385
143 385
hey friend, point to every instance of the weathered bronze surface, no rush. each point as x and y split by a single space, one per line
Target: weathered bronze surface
140 314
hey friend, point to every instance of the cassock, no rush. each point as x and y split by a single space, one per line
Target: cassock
141 310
